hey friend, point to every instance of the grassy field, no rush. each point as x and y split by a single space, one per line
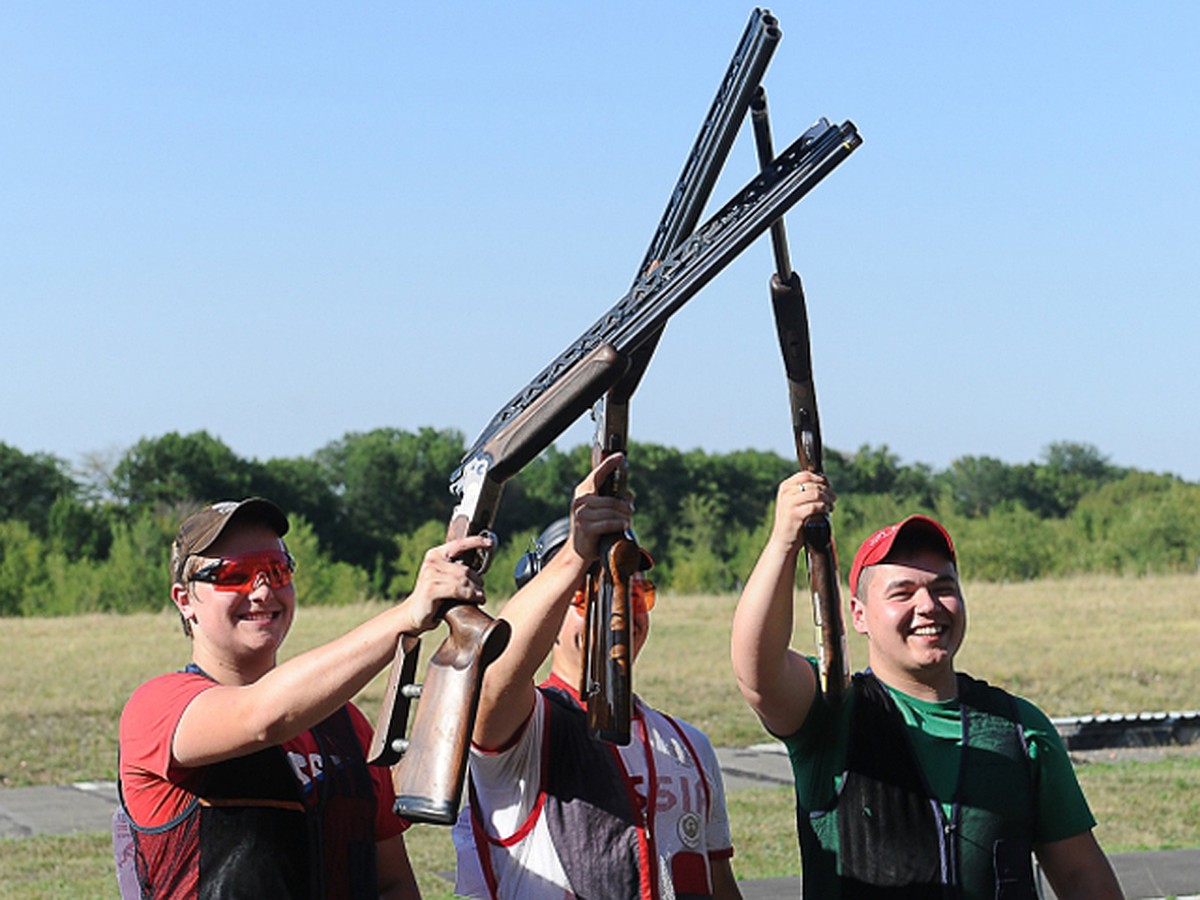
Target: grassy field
1074 646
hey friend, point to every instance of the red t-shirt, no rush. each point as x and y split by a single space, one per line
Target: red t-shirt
156 789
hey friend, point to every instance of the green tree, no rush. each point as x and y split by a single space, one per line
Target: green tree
178 469
1139 524
70 587
389 483
22 565
135 576
321 580
1011 544
1069 472
877 470
659 478
977 484
77 530
29 485
696 558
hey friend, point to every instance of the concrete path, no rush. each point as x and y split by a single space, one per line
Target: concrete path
88 806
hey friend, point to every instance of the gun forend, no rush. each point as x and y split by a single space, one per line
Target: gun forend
609 675
530 431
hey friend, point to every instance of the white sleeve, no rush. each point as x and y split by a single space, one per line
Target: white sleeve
506 787
719 836
507 781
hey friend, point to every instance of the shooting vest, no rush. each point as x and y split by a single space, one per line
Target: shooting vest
891 839
251 831
609 844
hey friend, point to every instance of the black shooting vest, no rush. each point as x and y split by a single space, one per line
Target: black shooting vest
891 837
599 833
251 832
588 810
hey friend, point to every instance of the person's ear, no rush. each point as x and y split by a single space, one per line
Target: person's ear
858 615
182 598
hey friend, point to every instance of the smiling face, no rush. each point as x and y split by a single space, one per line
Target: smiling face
914 617
236 633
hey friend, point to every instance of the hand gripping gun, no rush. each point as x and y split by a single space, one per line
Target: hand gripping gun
791 323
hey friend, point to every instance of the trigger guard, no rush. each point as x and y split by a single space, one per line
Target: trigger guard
485 557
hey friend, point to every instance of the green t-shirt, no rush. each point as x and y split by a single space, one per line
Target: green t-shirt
936 736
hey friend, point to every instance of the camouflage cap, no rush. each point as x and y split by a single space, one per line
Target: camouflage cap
200 530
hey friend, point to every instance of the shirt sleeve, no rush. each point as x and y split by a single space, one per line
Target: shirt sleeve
508 781
1063 810
719 838
152 785
505 784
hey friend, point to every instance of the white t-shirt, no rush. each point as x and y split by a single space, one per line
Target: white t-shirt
689 823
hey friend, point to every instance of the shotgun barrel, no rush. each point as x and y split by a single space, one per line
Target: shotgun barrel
791 324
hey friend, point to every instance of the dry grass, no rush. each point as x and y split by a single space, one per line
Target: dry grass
1074 646
1090 644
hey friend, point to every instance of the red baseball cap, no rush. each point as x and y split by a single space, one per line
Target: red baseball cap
876 548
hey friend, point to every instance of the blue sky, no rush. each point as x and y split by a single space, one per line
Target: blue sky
284 222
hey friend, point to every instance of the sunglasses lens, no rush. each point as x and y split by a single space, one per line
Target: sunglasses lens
643 592
239 573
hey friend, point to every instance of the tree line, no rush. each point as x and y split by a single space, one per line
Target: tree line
365 507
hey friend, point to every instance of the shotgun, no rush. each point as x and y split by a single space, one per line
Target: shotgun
607 667
428 767
791 323
428 770
607 686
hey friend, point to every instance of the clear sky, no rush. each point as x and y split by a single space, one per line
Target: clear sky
281 222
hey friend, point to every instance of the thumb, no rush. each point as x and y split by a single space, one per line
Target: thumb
600 474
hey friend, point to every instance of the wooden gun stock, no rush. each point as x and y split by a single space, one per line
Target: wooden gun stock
427 773
428 768
791 323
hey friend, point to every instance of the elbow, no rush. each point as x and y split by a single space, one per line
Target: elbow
267 728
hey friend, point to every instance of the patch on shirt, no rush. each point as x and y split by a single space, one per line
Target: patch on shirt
688 829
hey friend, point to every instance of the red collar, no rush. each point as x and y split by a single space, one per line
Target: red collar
554 681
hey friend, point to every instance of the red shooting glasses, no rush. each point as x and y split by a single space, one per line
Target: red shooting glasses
640 587
241 571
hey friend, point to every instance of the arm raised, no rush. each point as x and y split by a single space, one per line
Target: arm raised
777 682
535 613
228 721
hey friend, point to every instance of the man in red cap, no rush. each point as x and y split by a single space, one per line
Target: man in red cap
554 813
241 777
923 782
